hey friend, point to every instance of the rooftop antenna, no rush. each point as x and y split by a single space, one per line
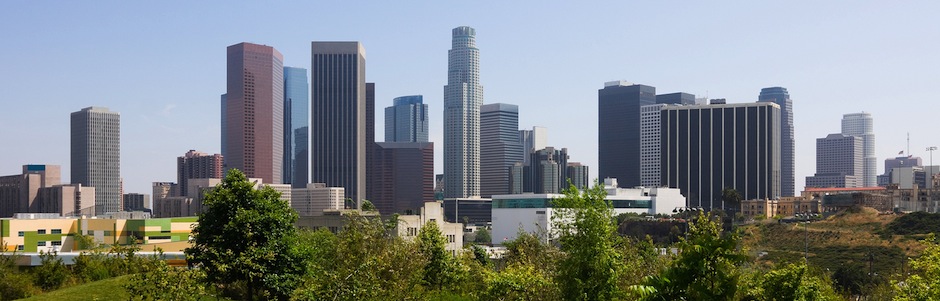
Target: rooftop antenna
909 144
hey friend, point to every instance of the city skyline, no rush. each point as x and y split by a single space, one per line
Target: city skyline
843 48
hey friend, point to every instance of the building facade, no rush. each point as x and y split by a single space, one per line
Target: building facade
338 117
136 202
861 125
19 193
407 120
532 140
500 147
296 126
618 130
197 165
403 176
838 162
96 155
707 148
579 175
254 111
650 151
315 198
781 97
463 96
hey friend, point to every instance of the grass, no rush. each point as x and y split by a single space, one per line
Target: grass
108 289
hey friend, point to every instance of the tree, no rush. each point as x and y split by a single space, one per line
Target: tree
243 239
591 266
732 198
163 282
368 206
483 236
432 244
52 273
789 282
925 283
706 268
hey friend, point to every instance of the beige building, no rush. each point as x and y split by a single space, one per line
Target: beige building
432 212
18 193
785 206
67 200
316 198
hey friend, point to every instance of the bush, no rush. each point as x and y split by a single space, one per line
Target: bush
52 274
163 282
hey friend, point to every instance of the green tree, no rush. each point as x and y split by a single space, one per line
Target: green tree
924 284
732 198
14 284
368 206
591 266
52 273
789 282
705 269
243 239
163 282
432 244
483 236
520 282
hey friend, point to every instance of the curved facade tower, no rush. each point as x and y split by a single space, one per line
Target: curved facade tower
463 96
861 125
781 97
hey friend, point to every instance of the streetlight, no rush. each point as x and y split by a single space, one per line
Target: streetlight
805 216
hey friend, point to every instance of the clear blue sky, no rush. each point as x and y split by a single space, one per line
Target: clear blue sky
162 65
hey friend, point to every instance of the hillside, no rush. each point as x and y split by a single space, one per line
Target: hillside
851 242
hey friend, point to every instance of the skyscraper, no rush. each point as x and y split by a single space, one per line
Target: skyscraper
838 162
547 171
254 111
578 175
463 96
500 147
707 148
861 125
407 120
96 155
650 151
532 140
618 130
296 130
402 176
781 97
338 126
197 165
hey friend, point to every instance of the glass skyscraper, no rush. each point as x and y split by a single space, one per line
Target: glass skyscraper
862 125
618 130
500 147
296 129
254 111
463 96
407 120
781 97
338 117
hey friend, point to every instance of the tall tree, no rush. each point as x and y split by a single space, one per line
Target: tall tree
432 244
925 283
592 263
244 238
706 268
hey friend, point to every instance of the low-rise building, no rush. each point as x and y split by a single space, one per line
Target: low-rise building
316 198
43 232
532 213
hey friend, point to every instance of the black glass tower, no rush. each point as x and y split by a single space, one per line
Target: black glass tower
618 130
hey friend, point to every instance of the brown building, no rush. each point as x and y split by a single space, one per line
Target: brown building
403 176
18 193
67 200
197 165
254 111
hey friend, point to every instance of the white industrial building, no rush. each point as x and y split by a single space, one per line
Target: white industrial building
533 212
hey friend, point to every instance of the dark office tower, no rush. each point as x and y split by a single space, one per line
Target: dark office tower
678 98
707 148
197 165
407 120
618 130
517 179
838 162
781 97
296 118
547 171
254 111
500 147
403 176
370 138
463 96
579 176
338 133
96 155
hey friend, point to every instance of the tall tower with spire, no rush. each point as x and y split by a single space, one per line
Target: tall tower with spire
463 96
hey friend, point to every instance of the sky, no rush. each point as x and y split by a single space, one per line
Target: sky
161 64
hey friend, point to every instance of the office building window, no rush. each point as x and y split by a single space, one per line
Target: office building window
41 244
56 231
56 243
41 231
21 233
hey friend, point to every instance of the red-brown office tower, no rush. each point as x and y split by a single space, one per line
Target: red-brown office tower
197 165
403 176
254 111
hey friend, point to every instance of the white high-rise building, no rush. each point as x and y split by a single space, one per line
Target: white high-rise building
861 125
463 96
532 140
650 145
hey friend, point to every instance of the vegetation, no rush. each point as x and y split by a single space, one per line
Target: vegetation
914 223
848 256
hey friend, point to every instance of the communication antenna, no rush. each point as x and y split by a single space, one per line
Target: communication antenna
909 143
